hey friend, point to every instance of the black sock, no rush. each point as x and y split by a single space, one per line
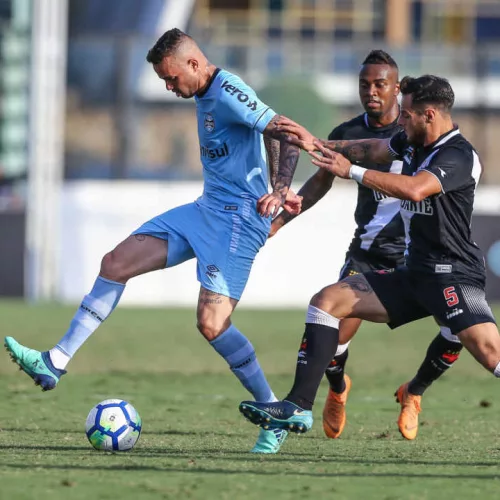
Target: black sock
335 372
441 355
318 345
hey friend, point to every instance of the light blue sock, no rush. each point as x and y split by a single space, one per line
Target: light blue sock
94 309
240 355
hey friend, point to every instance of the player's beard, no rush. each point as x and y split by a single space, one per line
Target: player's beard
373 113
183 95
417 137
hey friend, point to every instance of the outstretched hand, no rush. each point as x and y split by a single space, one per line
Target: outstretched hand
295 134
330 160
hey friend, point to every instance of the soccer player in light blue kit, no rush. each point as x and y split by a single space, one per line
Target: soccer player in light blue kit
222 229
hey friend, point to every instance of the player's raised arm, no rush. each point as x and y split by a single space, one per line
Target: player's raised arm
363 151
405 187
358 151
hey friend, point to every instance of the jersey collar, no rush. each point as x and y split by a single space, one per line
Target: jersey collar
379 129
209 84
444 138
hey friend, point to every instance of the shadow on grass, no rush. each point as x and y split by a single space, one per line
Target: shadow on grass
239 455
284 457
39 430
257 471
20 447
171 432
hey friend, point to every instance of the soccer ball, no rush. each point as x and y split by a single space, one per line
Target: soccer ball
113 425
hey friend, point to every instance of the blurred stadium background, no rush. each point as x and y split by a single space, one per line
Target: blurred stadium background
91 144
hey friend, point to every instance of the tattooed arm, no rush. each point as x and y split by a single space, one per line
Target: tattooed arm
273 157
359 151
289 156
405 187
363 150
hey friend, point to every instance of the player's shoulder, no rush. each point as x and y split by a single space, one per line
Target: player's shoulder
457 148
225 75
354 124
461 142
231 84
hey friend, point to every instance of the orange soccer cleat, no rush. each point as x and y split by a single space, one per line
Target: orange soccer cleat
334 416
410 408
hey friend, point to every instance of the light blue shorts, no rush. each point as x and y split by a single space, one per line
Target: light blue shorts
225 244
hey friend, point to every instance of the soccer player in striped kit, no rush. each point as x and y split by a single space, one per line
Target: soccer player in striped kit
378 244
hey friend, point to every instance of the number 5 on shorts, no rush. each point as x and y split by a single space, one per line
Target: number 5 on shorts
451 296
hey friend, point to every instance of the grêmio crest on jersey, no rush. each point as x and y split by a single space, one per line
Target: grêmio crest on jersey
209 122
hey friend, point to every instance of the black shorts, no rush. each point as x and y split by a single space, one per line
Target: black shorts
453 301
362 264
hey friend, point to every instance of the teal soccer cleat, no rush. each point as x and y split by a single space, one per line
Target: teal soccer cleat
34 363
269 441
279 415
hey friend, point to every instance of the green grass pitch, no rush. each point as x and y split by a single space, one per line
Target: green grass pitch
195 443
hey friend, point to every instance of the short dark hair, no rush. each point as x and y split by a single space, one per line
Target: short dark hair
166 45
429 89
380 57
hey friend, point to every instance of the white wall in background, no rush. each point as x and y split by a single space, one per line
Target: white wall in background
302 258
305 256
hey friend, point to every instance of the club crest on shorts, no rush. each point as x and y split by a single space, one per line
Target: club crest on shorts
209 122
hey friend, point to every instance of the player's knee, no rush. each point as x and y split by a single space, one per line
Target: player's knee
323 301
112 268
317 300
211 328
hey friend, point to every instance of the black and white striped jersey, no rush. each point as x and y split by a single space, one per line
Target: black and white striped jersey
379 234
438 229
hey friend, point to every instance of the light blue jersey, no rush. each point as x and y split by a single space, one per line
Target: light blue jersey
231 119
222 229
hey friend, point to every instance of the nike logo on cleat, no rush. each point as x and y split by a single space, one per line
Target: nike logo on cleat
298 412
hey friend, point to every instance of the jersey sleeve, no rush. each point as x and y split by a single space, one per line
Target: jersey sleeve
239 103
452 167
398 144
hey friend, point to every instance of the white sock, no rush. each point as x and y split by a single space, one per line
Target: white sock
342 348
59 359
320 317
496 371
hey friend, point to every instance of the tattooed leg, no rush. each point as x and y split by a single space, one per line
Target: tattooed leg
357 283
352 297
214 323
